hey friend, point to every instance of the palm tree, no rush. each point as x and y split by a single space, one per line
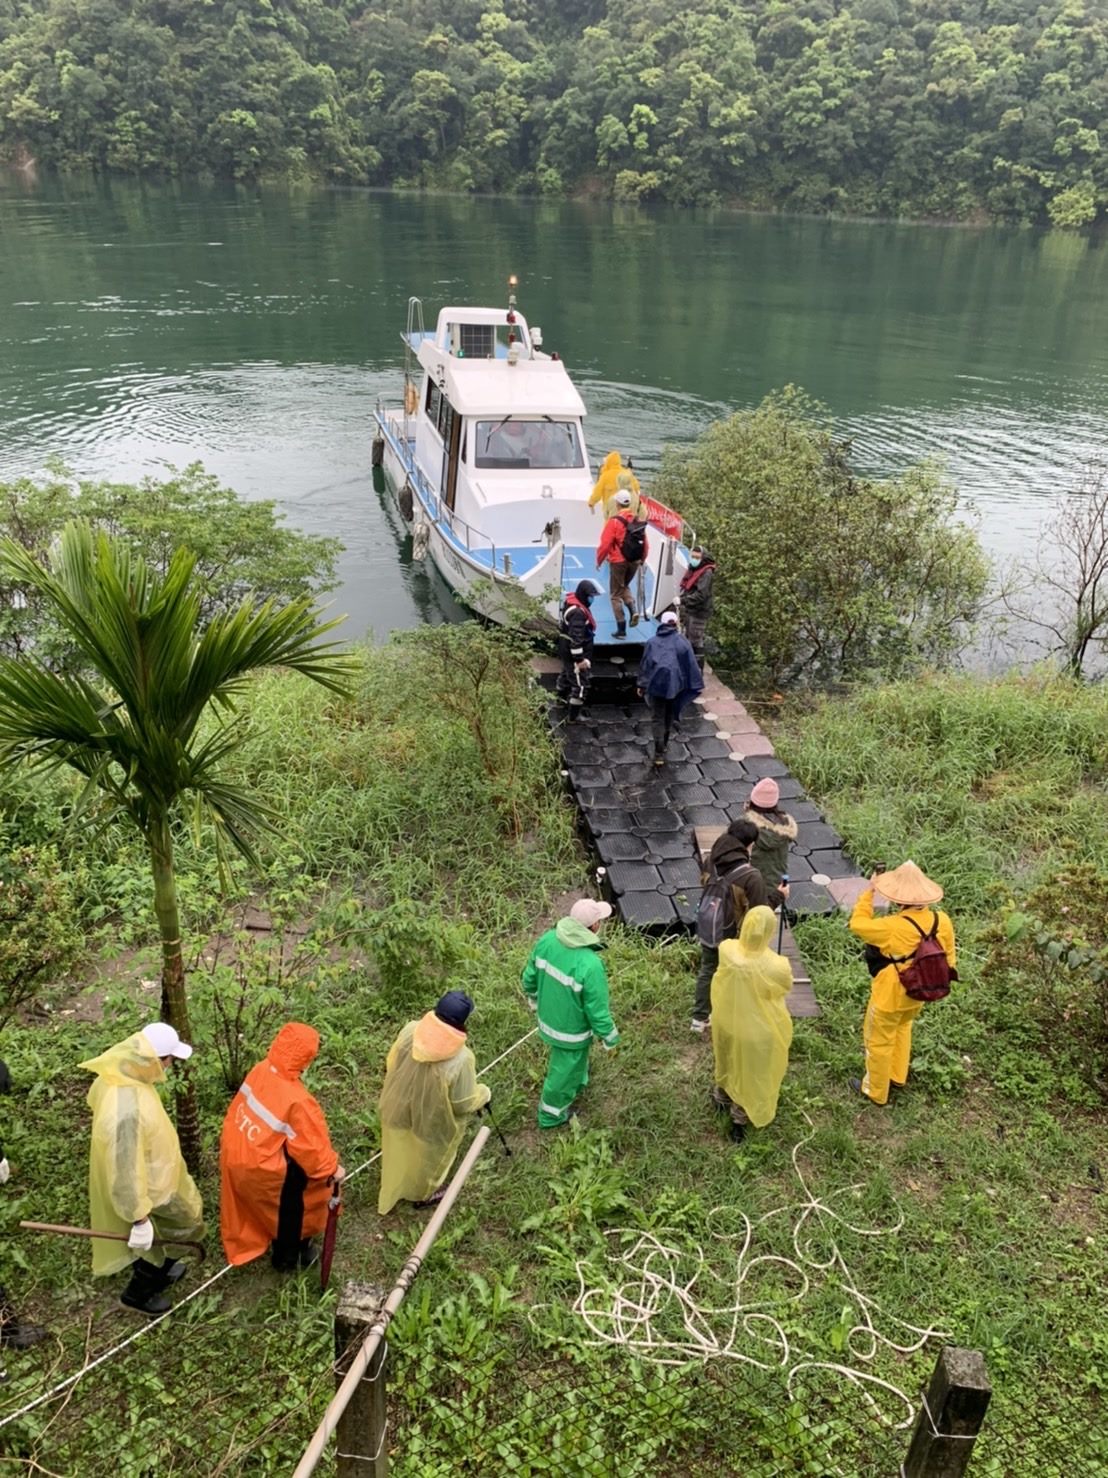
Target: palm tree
128 715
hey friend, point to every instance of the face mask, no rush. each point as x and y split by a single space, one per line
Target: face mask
694 563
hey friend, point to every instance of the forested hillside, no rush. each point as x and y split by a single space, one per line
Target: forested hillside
944 108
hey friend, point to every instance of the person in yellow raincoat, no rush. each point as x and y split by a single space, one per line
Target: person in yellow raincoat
139 1186
751 1026
430 1090
614 477
891 940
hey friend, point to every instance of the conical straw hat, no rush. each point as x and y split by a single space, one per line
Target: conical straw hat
908 885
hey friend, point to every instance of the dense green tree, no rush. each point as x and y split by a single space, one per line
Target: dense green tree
831 575
894 107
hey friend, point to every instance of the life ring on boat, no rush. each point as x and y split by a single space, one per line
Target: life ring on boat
411 399
421 538
406 502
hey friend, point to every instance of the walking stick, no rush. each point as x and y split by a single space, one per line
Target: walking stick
496 1126
784 905
49 1226
327 1255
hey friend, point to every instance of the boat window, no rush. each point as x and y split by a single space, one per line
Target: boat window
512 443
434 401
446 418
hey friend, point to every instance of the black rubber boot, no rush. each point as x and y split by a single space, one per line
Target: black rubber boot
621 631
309 1253
144 1291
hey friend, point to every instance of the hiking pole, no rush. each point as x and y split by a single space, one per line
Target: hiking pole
784 905
487 1110
65 1231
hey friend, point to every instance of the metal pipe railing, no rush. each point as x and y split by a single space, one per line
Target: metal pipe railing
360 1363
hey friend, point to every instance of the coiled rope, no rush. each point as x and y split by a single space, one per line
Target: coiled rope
653 1305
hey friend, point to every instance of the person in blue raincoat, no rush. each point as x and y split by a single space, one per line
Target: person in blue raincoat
669 679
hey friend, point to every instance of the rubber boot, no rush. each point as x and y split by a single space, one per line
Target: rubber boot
309 1253
621 631
14 1333
144 1291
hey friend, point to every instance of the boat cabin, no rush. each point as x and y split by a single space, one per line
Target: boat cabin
498 430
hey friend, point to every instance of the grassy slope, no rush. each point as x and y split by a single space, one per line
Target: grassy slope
989 1160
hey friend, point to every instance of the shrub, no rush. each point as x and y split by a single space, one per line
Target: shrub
823 574
39 935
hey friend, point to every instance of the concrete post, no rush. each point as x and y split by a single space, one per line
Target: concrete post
950 1419
360 1439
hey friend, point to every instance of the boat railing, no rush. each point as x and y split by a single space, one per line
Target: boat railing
472 540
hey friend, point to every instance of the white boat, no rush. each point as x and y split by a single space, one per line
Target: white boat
487 460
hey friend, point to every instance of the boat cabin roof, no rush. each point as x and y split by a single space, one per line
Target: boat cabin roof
468 356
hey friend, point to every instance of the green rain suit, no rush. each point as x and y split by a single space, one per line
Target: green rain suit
751 1026
430 1090
135 1164
567 985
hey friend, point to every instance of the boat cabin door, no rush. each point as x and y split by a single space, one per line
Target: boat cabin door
667 580
451 452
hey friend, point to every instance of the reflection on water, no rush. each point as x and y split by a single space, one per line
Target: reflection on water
253 330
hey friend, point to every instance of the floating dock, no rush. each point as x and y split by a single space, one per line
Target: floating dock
650 826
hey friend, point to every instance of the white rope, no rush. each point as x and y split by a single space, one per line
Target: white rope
146 1328
654 1277
72 1380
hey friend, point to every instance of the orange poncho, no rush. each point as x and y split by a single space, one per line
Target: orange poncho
271 1116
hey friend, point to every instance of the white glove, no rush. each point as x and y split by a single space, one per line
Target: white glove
532 1003
142 1236
5 1171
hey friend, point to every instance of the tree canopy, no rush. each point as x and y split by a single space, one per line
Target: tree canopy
942 108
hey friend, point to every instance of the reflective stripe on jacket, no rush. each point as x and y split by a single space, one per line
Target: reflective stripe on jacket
566 979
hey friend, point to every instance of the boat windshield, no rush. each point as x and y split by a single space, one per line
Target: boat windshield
516 443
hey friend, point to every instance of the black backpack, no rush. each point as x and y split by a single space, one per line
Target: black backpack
633 547
723 905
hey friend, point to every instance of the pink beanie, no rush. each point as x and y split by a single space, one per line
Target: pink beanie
765 794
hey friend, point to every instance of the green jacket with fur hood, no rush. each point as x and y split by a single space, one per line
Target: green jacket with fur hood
566 984
776 833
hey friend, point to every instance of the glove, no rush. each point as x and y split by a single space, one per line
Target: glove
583 666
142 1236
5 1170
532 1003
339 1175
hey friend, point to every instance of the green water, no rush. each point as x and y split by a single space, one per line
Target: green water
144 325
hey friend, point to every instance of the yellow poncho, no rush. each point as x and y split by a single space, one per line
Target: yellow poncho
607 485
751 1027
135 1165
430 1089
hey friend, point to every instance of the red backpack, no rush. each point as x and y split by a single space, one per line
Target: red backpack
929 973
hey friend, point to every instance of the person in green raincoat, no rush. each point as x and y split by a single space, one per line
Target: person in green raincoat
567 986
751 1026
430 1090
139 1186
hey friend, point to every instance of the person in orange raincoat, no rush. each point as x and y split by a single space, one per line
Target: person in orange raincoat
276 1161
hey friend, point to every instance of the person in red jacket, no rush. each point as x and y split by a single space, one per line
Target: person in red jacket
623 544
276 1159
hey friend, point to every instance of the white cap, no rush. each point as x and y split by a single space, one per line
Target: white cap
165 1041
668 618
589 911
623 498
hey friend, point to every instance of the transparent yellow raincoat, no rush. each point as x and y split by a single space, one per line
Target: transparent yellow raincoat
430 1090
751 1027
135 1164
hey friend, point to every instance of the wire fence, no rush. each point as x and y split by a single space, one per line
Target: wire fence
510 1409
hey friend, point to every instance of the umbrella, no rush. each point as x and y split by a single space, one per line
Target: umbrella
327 1255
